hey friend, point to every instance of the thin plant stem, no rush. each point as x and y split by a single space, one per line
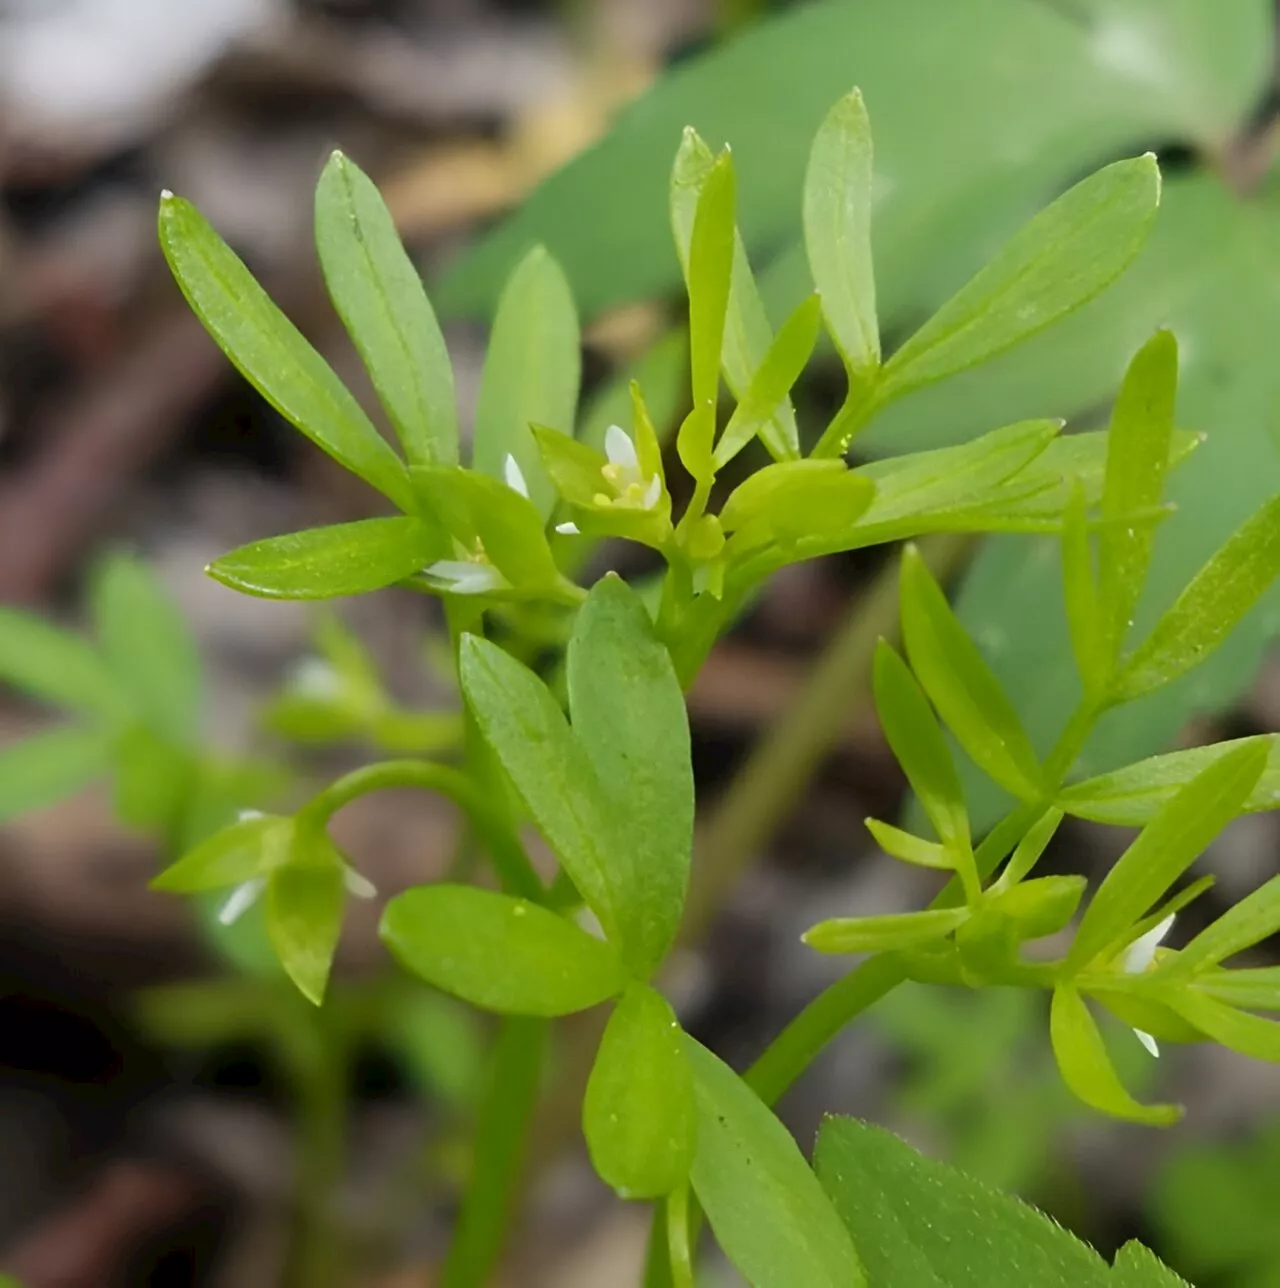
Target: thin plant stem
678 1248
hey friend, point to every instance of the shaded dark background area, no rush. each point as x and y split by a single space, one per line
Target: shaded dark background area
129 1158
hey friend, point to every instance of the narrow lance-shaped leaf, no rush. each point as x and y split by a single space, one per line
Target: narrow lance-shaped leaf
710 271
271 353
1255 918
1080 593
1138 442
961 685
638 1115
1207 611
629 716
382 303
1059 260
1166 847
55 666
48 766
837 234
1086 1067
325 563
499 952
531 373
1250 1035
884 934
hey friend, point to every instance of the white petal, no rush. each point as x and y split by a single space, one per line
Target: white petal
569 529
619 448
1148 1041
313 677
514 476
652 492
246 814
359 885
242 898
1142 952
464 577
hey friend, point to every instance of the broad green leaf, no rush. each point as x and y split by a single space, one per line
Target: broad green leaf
1060 260
1080 596
1132 796
148 646
1219 595
531 373
1137 454
271 353
779 369
629 717
47 766
768 1212
1086 1067
916 740
1139 1267
548 767
499 952
920 1222
1255 918
638 1114
380 298
1250 1035
1164 850
55 666
237 853
837 234
325 563
305 902
885 933
710 271
961 685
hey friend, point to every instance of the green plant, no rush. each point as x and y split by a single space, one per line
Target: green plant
605 775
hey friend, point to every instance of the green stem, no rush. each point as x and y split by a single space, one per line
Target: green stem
678 1238
501 1135
509 859
858 408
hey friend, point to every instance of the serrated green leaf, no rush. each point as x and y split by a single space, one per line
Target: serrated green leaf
837 234
916 740
1218 596
629 717
147 645
326 563
1250 1035
1255 918
1138 442
710 271
548 767
1060 260
1166 847
237 853
884 934
305 902
499 952
531 373
55 666
961 685
379 296
638 1114
921 1222
1139 1267
768 1212
271 353
48 766
1086 1067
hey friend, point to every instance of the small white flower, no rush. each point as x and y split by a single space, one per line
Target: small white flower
247 815
465 576
514 476
241 899
624 474
569 529
1137 960
359 885
313 677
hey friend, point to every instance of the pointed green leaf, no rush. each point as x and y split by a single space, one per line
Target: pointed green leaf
1164 850
237 853
884 934
1250 1035
1058 261
325 563
916 740
1138 1267
305 902
1207 611
55 666
1080 595
710 271
148 646
1257 989
638 1114
1138 441
531 373
907 847
768 1212
271 353
548 767
837 234
629 716
922 1223
1255 918
499 952
48 766
1086 1067
961 685
380 298
1028 851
